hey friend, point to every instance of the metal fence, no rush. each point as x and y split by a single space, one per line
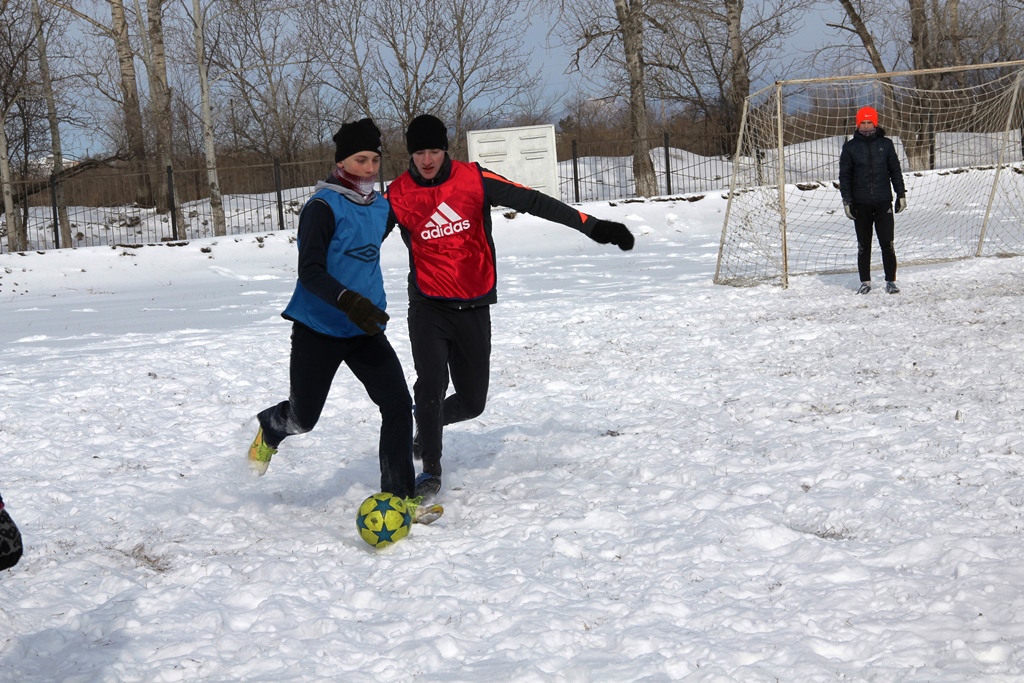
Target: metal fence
102 206
594 171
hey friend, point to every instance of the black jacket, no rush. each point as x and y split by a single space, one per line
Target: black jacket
868 167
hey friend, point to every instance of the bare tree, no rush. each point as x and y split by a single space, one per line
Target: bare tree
462 60
17 81
709 52
340 39
532 108
612 38
585 112
739 66
128 96
52 117
925 35
854 12
630 15
131 102
198 16
405 60
940 35
270 76
483 61
153 53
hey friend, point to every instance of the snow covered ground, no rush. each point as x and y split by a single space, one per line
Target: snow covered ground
673 480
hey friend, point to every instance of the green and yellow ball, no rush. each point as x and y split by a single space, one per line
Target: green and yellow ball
383 519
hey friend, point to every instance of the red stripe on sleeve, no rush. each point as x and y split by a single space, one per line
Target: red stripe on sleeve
494 176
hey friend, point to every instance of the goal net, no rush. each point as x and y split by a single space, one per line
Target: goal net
960 143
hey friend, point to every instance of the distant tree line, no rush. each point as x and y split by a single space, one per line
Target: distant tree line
215 83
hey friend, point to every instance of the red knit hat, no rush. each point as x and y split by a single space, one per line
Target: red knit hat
867 114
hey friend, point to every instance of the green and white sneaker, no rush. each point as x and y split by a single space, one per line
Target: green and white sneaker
260 454
420 513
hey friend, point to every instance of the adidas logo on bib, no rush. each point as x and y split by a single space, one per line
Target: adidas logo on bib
445 221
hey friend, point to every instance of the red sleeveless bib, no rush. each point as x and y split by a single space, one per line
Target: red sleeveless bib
452 256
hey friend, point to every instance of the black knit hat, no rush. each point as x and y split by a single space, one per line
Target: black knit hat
358 136
426 132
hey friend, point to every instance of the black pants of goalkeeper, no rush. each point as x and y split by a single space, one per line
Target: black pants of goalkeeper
447 344
315 359
877 219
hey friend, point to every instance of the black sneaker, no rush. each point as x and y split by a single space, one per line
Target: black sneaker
865 287
891 287
427 486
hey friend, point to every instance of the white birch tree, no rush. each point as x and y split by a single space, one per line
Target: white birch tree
199 14
53 119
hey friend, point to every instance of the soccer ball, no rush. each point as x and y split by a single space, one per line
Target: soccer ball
383 519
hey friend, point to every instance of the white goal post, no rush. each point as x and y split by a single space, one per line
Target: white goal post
961 147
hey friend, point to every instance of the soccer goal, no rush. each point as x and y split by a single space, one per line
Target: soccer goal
961 147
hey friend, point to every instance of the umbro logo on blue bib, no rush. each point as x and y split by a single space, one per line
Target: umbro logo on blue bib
366 253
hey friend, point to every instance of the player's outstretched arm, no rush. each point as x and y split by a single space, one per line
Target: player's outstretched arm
501 191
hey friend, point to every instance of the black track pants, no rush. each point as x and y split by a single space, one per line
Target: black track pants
877 218
315 359
447 344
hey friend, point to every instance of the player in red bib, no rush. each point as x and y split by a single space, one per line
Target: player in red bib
443 208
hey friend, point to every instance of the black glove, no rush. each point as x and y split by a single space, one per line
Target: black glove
607 232
850 213
901 203
362 312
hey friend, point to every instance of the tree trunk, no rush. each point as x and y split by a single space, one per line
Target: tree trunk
920 38
739 67
209 147
130 106
51 115
864 35
160 94
17 240
955 36
630 16
919 142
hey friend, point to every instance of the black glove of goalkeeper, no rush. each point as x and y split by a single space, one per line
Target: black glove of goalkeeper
607 232
362 312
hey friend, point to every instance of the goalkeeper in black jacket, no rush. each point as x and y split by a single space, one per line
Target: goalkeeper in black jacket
869 170
443 209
